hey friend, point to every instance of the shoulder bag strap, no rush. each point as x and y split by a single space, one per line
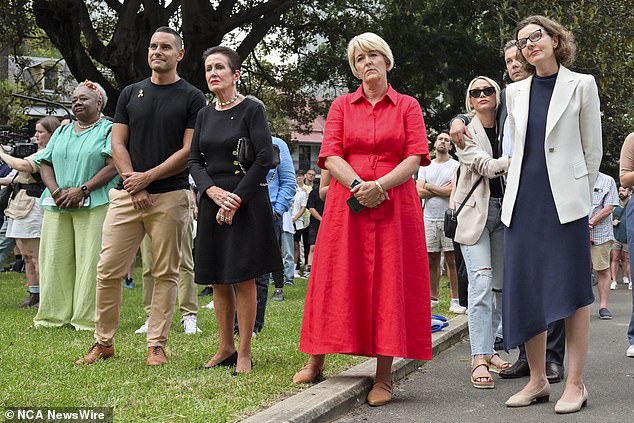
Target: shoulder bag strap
469 195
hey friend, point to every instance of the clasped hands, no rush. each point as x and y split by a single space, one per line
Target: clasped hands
69 198
369 194
135 183
228 202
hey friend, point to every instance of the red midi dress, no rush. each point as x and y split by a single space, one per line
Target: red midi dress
368 292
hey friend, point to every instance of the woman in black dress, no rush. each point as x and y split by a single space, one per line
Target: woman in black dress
555 125
236 241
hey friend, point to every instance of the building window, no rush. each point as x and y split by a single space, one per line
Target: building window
50 78
304 157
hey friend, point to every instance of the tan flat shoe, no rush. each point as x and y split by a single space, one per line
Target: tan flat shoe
521 400
309 373
380 394
562 407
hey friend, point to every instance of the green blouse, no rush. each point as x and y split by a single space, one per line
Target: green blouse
77 157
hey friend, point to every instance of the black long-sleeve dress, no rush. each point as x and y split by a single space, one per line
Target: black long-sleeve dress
247 248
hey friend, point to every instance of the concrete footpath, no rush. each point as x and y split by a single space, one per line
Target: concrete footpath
440 391
337 395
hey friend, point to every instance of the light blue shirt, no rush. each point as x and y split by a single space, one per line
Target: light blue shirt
282 187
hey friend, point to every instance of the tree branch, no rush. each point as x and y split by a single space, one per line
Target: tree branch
114 5
249 15
261 27
173 7
225 7
95 46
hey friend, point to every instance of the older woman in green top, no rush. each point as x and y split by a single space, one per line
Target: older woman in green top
78 172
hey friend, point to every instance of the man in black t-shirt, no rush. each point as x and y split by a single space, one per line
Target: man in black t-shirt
151 136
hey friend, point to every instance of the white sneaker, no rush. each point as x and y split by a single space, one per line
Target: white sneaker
189 324
626 280
434 303
630 351
629 286
297 275
210 306
142 329
457 309
613 285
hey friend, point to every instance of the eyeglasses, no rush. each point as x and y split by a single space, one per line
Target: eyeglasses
477 92
534 36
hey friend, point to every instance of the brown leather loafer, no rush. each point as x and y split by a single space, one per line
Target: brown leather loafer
156 356
380 394
96 352
308 374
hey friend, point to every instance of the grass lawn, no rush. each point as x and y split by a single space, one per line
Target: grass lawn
37 365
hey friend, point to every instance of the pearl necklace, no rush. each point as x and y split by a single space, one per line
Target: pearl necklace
228 102
90 125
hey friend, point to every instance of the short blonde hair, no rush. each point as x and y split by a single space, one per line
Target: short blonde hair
369 41
469 108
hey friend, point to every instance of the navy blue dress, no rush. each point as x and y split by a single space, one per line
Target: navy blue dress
546 264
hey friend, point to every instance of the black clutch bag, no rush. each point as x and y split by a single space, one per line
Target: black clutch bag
246 154
246 157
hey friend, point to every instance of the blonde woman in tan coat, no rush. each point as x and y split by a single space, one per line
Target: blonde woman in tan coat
480 231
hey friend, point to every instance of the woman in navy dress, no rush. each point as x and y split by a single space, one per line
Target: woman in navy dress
556 130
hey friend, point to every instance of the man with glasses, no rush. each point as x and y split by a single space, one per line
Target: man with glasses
556 341
434 188
309 180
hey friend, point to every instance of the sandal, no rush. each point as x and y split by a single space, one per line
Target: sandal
380 394
497 368
309 373
481 382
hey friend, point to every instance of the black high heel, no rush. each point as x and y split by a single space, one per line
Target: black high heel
227 362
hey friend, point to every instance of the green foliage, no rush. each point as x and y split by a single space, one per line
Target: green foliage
11 108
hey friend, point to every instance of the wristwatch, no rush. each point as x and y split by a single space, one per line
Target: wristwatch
84 190
355 183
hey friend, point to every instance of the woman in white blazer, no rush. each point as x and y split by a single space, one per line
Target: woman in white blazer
556 129
480 231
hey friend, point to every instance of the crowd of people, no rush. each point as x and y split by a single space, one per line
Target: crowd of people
212 198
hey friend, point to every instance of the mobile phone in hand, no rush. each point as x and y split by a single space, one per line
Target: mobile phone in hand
352 202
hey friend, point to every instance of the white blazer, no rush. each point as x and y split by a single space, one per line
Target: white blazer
573 143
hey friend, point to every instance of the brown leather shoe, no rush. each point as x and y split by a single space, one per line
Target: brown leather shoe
96 352
156 356
308 374
380 394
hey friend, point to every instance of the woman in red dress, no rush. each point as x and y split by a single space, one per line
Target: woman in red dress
368 292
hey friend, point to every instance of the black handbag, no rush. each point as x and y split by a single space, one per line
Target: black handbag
451 215
246 154
246 157
5 195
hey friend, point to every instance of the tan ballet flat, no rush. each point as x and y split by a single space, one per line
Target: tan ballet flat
520 400
309 373
562 407
380 394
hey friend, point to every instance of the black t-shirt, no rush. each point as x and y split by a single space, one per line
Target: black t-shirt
315 202
157 117
495 184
